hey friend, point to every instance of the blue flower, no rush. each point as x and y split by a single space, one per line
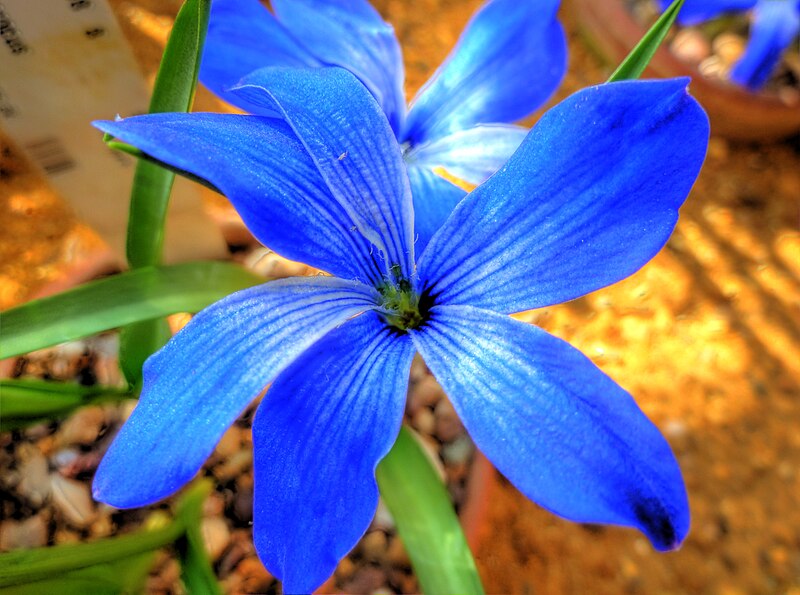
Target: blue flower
775 25
508 61
588 198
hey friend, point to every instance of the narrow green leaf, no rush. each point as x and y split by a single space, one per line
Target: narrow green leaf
25 402
196 570
176 80
173 92
30 566
634 64
27 566
128 297
110 578
426 521
137 342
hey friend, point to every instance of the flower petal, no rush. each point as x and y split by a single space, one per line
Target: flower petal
197 385
351 34
775 25
355 150
557 427
590 196
697 11
244 36
509 60
434 200
471 155
318 435
260 165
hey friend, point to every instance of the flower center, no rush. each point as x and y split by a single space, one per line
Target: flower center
402 305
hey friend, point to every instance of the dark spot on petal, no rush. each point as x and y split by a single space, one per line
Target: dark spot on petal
656 523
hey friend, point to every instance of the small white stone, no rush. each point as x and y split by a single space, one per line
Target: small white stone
34 484
72 499
216 536
25 534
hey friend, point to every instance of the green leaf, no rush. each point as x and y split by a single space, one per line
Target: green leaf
110 578
174 90
196 570
137 342
29 566
22 567
634 64
426 521
25 402
128 297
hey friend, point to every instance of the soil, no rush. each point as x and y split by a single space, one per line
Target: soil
706 337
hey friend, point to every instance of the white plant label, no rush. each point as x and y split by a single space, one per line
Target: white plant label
64 63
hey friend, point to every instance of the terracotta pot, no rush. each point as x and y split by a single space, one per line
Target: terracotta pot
735 113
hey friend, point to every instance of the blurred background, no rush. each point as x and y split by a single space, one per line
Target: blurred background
706 337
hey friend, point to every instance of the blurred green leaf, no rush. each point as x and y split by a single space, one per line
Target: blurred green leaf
634 64
25 402
27 568
196 570
137 342
128 297
109 578
426 521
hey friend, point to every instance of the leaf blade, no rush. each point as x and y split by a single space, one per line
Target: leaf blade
132 296
639 57
426 520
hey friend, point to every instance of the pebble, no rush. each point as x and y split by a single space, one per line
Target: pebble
234 466
106 365
243 505
690 45
230 443
366 580
216 536
424 421
34 484
448 425
83 427
255 578
396 553
214 505
729 47
459 451
712 67
65 457
102 527
72 499
345 569
63 536
25 534
789 96
418 370
266 263
383 518
373 545
426 393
